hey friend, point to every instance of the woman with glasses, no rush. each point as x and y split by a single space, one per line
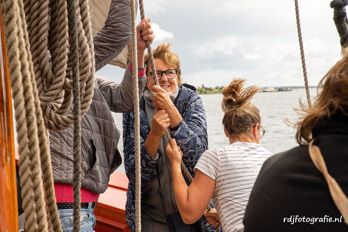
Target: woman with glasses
226 174
170 106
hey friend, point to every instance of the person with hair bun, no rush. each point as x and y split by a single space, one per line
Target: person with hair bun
305 188
227 173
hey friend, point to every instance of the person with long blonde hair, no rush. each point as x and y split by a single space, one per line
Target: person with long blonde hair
305 188
227 173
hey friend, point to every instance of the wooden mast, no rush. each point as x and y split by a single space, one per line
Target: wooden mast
8 194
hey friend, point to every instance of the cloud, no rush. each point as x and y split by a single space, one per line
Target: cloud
225 45
231 7
155 7
253 56
161 34
253 39
275 64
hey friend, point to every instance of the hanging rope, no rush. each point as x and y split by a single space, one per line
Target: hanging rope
44 149
49 42
136 120
72 5
338 196
149 49
32 139
55 68
303 61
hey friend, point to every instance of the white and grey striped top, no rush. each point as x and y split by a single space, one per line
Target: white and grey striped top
234 169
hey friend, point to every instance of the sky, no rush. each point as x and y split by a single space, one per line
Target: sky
217 41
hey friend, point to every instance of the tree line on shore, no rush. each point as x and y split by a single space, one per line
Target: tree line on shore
217 89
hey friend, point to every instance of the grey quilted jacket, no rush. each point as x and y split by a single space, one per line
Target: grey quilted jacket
100 156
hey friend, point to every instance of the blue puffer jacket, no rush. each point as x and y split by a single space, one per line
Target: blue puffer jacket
191 136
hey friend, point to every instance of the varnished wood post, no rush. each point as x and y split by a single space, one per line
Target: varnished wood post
8 194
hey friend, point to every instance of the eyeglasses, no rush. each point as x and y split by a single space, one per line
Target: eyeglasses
170 73
262 131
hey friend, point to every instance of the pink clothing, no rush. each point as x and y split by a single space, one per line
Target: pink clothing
65 193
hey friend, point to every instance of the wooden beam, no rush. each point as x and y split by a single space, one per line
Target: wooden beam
8 193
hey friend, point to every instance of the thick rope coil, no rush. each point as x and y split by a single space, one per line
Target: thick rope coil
303 60
30 126
49 42
44 77
52 212
12 27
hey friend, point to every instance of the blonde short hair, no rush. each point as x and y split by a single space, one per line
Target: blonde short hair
164 53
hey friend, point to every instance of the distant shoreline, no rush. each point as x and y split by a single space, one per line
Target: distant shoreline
217 90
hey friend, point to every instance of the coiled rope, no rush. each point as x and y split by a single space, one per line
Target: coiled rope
55 67
31 135
47 22
303 60
41 69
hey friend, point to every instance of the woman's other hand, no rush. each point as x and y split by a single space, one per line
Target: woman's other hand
173 152
212 217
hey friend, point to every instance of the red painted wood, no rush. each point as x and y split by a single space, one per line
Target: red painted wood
110 208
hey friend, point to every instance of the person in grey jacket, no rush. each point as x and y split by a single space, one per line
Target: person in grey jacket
100 155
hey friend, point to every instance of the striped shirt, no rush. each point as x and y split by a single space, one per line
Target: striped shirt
234 169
